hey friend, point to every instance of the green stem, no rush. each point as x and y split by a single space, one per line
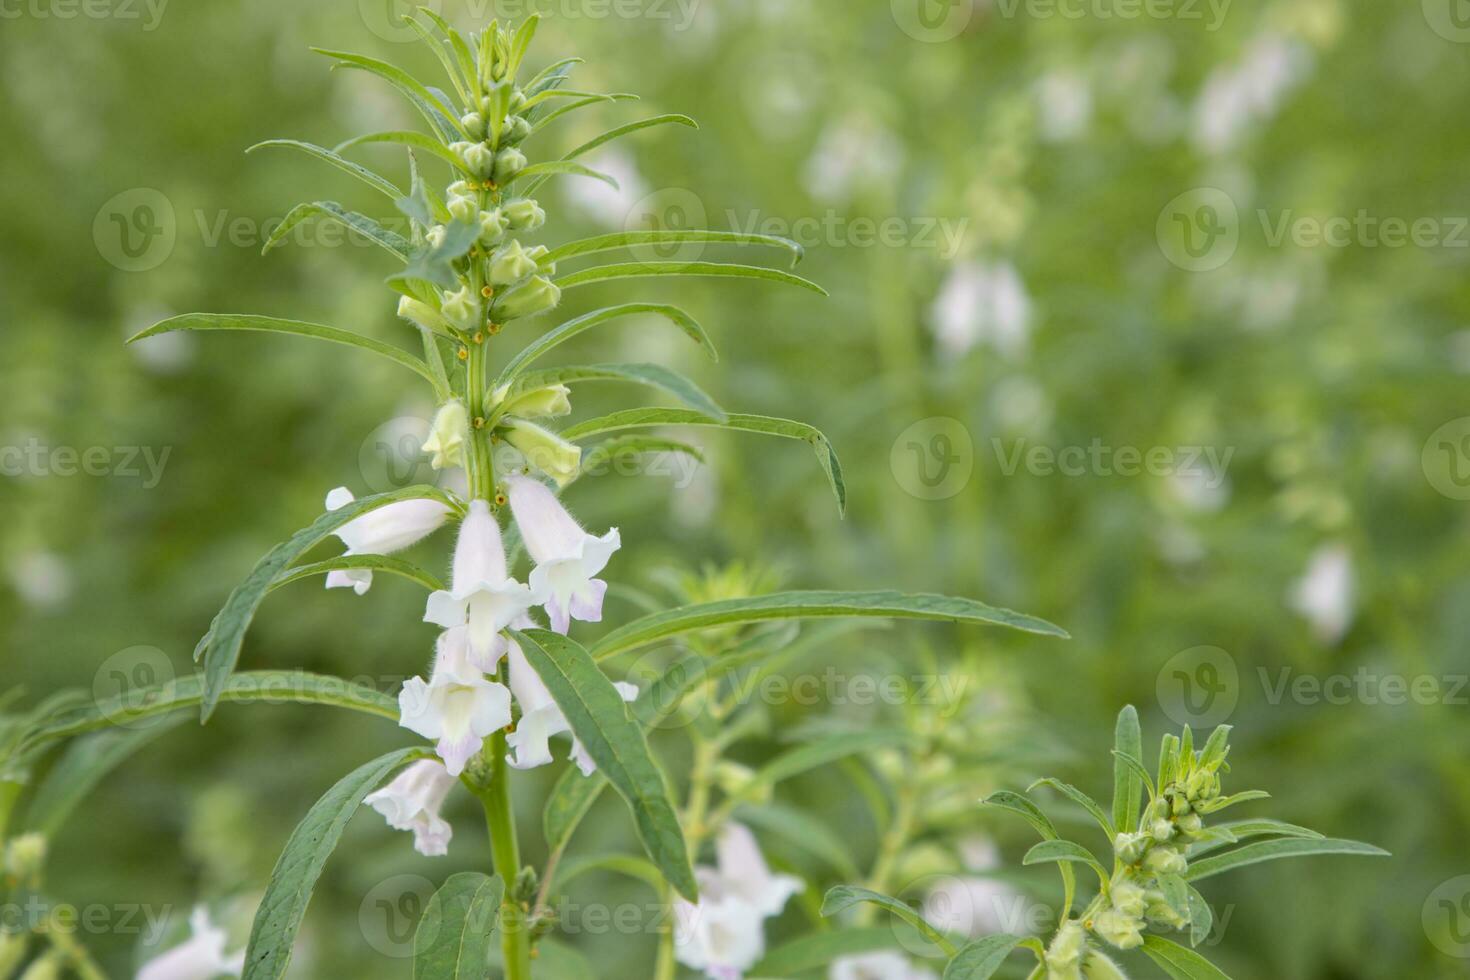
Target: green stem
505 853
895 838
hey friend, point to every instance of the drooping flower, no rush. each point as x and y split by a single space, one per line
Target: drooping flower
541 718
882 965
383 531
201 957
458 705
567 557
483 597
412 801
724 934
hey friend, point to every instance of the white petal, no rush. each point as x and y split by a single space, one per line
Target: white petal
479 555
393 527
744 869
339 498
443 609
548 530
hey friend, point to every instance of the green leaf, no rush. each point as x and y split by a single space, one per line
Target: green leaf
439 116
1238 830
1031 813
652 375
1201 916
635 239
247 687
844 897
551 168
79 770
811 605
453 938
1271 850
1064 850
317 331
375 563
567 93
300 865
587 321
521 43
552 116
623 864
570 799
1176 894
761 424
1134 765
595 456
376 181
461 86
1180 963
600 720
613 134
1127 787
659 270
817 950
360 223
435 263
408 137
1082 799
1221 802
234 619
980 959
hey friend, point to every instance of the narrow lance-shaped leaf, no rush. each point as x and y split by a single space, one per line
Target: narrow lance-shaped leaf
637 239
541 121
453 939
370 229
1271 850
981 958
1180 963
438 115
552 168
600 720
1127 787
239 609
408 137
1065 850
587 321
652 375
267 324
616 133
79 770
844 897
812 605
759 424
1081 799
300 866
376 181
659 270
1031 813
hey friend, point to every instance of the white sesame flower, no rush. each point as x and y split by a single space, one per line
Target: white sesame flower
541 718
412 801
383 531
567 557
201 957
483 597
458 706
883 965
724 934
982 302
1325 594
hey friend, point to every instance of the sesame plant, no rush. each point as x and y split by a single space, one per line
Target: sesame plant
512 667
1161 847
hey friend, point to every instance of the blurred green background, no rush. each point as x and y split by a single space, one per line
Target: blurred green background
1116 188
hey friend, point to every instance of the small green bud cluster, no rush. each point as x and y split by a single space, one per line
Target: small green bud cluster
24 857
1189 788
1071 957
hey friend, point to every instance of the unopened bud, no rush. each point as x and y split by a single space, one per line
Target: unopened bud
1130 848
546 451
508 163
447 435
549 402
25 856
1119 929
536 296
1166 861
478 158
525 214
474 124
47 967
516 129
737 780
511 263
1097 966
461 308
423 315
493 225
463 208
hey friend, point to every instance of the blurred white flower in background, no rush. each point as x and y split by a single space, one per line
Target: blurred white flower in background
1325 595
601 202
1249 93
201 957
852 154
885 965
1064 105
41 578
982 302
973 905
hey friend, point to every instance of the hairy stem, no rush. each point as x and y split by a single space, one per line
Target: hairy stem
505 853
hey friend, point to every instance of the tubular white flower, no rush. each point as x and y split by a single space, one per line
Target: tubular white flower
458 706
201 957
412 801
541 718
724 934
484 597
567 557
390 528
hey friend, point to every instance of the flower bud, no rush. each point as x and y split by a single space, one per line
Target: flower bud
461 308
508 163
435 236
517 98
736 780
525 215
1161 830
516 129
423 315
1166 861
25 855
1099 967
1064 956
463 208
537 254
493 225
1118 929
447 435
1191 824
1130 848
544 450
536 296
461 188
474 124
1129 897
548 402
1164 914
510 263
478 158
